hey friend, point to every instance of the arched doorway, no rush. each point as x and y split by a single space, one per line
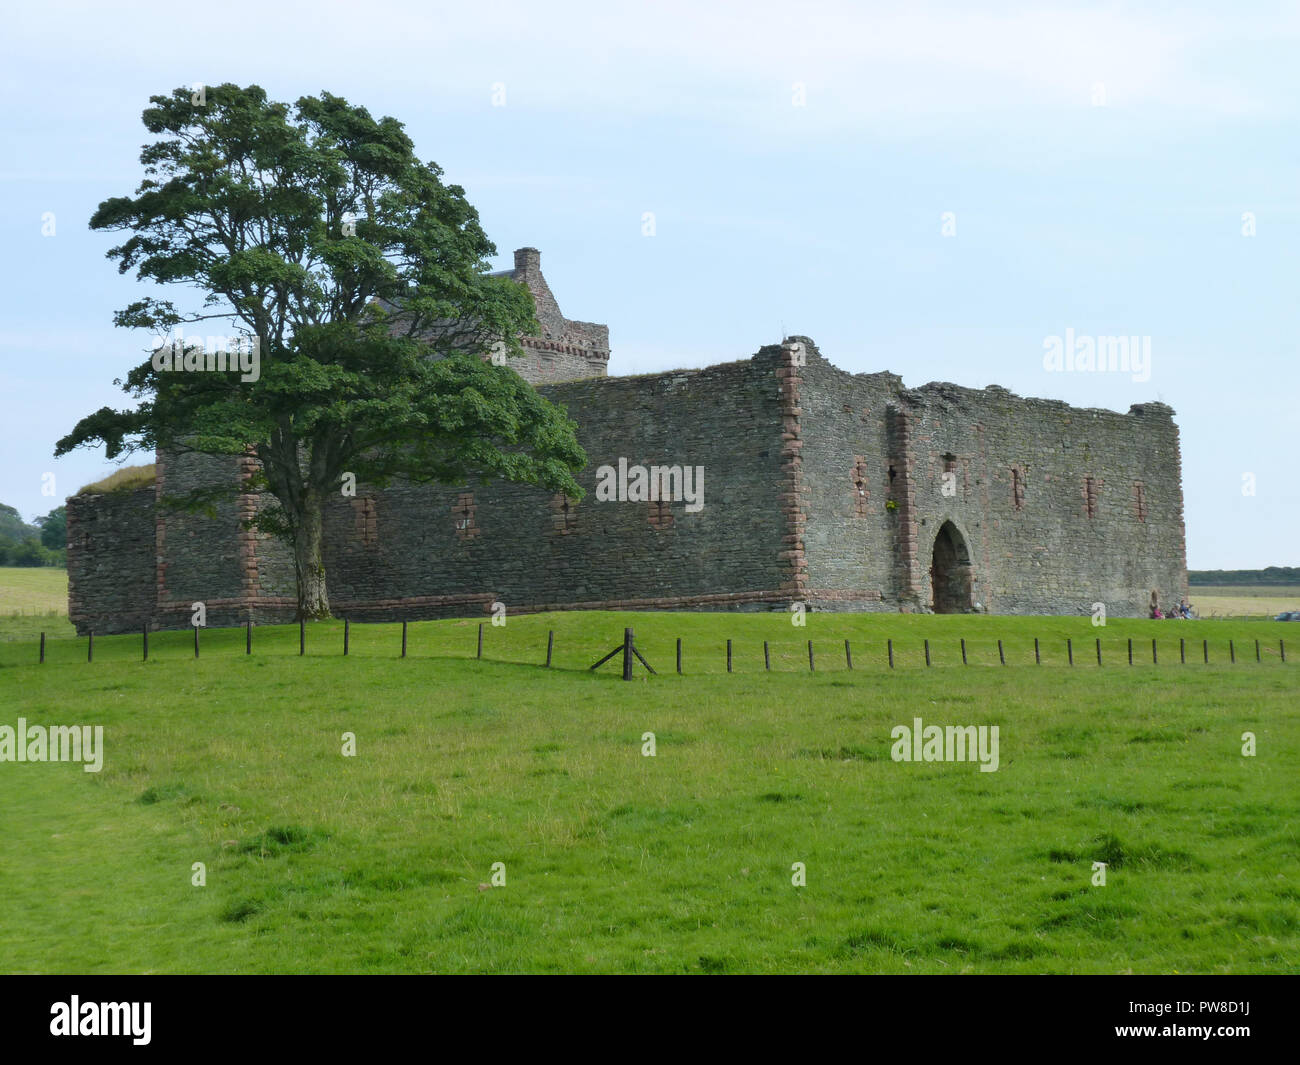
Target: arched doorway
951 575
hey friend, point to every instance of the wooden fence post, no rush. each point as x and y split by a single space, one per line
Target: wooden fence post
679 654
1257 651
1281 646
1130 650
1232 653
728 656
627 653
1037 661
1182 650
848 655
1001 657
302 636
403 639
890 644
196 641
927 652
617 650
346 634
550 645
1205 649
90 646
1098 650
144 638
1154 660
248 637
1069 648
767 658
810 656
480 640
963 650
43 649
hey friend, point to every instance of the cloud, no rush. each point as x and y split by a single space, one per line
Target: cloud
886 63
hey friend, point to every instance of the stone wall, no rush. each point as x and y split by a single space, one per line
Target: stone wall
820 486
852 555
566 349
1060 507
111 561
411 551
208 557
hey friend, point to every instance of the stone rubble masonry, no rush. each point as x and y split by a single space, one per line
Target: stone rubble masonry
898 435
245 512
112 561
1045 557
792 500
237 573
562 350
566 349
531 553
778 436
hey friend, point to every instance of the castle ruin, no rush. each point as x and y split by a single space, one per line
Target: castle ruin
839 491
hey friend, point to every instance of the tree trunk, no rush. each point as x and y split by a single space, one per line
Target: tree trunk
313 598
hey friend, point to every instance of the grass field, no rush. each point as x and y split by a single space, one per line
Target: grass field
1244 600
39 591
681 862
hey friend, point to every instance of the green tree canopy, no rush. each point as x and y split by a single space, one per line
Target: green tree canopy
54 528
323 245
13 530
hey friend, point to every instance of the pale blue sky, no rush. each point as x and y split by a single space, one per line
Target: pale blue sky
823 219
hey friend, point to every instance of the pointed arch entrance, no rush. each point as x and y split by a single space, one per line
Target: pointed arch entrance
951 575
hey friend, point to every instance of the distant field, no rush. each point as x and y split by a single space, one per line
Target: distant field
1243 600
682 862
40 590
1249 591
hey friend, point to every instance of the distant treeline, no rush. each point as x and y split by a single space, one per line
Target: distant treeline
1272 575
43 543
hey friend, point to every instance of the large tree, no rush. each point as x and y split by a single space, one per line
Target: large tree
361 281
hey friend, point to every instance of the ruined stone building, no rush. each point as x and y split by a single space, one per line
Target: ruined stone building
837 490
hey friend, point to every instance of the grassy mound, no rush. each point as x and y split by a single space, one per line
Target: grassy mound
127 479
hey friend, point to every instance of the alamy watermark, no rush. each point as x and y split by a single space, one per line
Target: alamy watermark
1101 354
641 484
55 743
177 354
950 743
102 1018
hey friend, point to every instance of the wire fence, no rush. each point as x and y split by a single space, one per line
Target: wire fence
824 654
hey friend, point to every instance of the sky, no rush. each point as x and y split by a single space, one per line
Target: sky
932 189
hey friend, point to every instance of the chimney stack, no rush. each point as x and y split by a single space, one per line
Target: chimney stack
528 261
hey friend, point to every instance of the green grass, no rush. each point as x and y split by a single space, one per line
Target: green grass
126 479
676 863
36 591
